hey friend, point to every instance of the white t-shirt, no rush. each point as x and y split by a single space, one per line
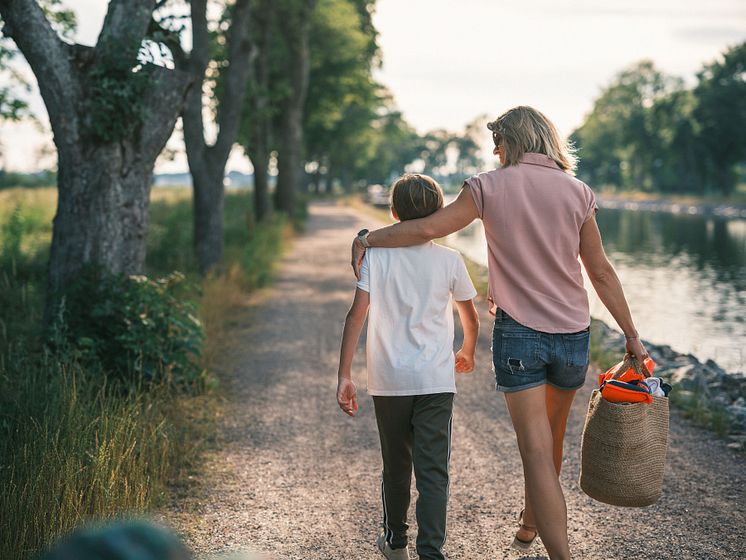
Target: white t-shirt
410 321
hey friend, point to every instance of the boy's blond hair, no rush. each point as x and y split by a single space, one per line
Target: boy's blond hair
416 196
524 129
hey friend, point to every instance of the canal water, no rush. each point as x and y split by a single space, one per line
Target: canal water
684 277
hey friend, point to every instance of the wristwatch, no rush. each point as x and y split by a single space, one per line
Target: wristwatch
362 235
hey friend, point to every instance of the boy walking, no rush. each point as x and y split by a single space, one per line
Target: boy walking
411 365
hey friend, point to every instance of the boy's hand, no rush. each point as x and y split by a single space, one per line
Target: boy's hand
347 396
464 362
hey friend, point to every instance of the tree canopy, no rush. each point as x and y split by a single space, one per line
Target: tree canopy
647 131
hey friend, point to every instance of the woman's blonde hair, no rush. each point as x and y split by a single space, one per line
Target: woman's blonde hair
524 129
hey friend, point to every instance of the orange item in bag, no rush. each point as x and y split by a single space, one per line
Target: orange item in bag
621 392
621 383
625 371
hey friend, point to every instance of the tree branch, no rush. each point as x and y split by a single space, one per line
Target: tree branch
124 27
236 76
168 89
194 133
50 60
200 55
171 39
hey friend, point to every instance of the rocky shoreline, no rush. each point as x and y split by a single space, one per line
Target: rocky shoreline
708 394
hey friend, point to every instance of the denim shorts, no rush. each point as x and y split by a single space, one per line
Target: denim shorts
525 358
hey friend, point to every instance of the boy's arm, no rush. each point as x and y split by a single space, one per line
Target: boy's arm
467 312
354 321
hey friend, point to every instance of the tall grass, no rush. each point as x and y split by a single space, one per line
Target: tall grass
75 447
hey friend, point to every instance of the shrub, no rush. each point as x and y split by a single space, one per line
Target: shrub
134 327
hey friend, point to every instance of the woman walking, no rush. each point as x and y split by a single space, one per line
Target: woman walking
537 218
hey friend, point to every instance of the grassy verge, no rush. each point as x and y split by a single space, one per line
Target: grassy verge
75 447
702 411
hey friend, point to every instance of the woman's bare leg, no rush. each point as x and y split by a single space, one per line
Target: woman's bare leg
528 411
558 402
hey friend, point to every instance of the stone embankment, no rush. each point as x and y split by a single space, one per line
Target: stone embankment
710 395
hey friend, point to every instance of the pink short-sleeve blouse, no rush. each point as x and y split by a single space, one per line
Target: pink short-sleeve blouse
532 214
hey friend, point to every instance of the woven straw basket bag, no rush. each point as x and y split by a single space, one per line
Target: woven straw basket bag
624 451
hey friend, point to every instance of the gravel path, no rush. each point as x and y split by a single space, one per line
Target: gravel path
294 477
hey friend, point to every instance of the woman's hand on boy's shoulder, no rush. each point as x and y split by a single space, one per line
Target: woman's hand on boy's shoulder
464 361
347 396
358 253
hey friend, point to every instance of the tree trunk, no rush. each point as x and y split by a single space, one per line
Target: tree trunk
209 203
291 139
316 185
260 159
346 181
291 128
207 184
104 189
262 134
102 213
104 186
207 163
725 178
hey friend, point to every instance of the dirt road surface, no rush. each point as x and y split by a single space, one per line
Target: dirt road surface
294 477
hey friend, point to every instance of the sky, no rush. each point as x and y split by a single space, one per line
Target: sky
446 61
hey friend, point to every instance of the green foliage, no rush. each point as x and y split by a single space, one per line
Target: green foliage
11 235
720 114
13 106
254 246
170 239
647 132
353 133
63 19
133 327
261 251
342 96
115 108
343 104
600 356
24 239
618 141
396 144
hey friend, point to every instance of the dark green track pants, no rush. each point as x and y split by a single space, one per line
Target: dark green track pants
415 430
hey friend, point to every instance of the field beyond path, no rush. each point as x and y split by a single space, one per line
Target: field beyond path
293 476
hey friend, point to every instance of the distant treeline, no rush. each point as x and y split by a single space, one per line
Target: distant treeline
648 131
9 179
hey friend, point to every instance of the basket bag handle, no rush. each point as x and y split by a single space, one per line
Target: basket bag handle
631 362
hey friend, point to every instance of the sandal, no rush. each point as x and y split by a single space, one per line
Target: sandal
520 544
